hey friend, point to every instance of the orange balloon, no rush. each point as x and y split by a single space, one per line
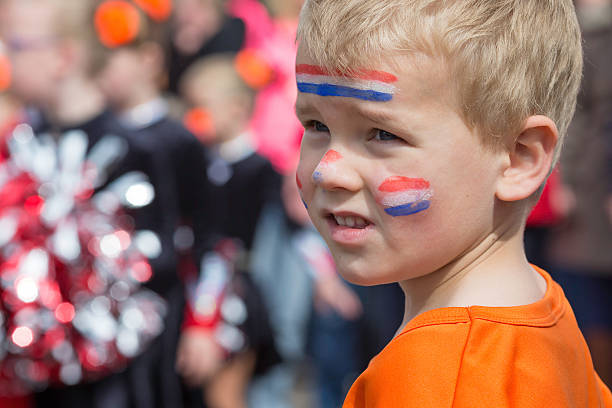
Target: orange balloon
253 69
158 10
117 23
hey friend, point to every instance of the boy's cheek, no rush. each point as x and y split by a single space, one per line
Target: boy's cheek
402 196
304 182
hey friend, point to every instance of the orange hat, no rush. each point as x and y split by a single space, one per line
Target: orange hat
253 69
158 10
117 23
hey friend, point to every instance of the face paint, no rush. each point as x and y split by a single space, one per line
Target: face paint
404 196
366 85
299 186
330 157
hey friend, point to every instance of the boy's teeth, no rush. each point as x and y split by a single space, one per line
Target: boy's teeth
352 222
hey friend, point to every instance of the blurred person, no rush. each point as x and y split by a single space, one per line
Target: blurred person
214 86
200 28
580 249
48 46
130 71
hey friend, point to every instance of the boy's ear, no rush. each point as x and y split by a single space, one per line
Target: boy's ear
528 160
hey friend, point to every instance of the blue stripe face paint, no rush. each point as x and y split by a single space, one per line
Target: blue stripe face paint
343 91
403 196
366 85
407 209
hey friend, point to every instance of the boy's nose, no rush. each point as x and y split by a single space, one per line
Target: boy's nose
335 172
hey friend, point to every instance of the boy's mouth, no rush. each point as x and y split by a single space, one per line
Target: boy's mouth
349 221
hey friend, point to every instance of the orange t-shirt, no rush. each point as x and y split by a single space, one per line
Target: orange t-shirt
523 356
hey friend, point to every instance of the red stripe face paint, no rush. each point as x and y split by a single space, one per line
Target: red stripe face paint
330 157
403 196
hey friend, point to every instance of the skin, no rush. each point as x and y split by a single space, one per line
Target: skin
466 249
130 76
48 71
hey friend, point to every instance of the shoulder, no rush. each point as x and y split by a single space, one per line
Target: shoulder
419 368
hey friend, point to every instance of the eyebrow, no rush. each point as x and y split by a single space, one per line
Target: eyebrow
375 115
303 109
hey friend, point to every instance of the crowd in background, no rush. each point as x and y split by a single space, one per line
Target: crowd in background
202 93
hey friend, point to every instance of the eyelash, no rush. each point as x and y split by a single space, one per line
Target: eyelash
380 132
317 126
314 125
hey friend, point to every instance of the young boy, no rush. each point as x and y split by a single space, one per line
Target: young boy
429 128
247 183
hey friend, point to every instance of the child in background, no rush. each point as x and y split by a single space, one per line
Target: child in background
215 88
47 44
130 71
200 28
430 127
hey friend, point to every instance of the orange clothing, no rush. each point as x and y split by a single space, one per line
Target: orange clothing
493 357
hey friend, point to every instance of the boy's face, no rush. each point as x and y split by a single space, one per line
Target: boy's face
394 180
122 75
27 30
215 92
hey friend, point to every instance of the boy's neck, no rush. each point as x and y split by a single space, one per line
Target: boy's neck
78 100
139 96
494 273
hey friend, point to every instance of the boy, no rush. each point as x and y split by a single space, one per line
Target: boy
429 128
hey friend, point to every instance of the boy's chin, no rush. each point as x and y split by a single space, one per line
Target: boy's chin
365 276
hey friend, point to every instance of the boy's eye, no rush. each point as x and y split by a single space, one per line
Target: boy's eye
384 136
319 127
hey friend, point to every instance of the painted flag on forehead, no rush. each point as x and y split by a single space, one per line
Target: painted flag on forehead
367 85
404 196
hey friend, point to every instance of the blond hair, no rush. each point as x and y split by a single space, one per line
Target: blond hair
508 59
218 68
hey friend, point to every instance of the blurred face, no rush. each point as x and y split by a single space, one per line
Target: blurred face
215 93
394 180
35 53
195 21
121 76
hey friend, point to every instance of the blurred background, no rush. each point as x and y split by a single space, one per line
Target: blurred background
154 248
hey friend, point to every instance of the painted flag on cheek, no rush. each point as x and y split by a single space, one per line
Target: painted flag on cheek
366 85
403 196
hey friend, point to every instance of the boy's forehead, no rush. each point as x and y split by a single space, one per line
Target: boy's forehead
27 18
391 80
